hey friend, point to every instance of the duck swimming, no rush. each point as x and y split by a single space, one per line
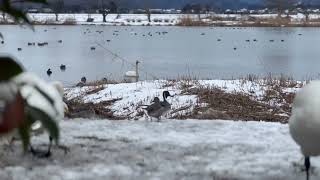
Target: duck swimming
62 67
49 72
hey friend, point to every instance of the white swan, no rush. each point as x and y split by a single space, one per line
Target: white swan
304 122
131 76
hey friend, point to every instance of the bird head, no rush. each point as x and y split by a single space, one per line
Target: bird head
156 100
166 94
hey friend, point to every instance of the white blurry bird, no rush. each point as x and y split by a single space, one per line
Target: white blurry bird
47 97
304 122
42 95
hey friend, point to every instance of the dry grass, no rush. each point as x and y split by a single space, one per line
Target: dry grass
274 105
95 89
267 98
80 109
235 106
69 21
103 81
188 21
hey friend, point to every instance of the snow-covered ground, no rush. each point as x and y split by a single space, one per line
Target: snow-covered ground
170 149
132 95
156 19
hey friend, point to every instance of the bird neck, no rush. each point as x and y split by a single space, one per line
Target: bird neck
137 72
164 97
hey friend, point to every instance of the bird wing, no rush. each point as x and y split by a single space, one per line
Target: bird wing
153 107
41 95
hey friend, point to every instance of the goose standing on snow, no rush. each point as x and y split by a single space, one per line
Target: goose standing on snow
151 109
304 122
159 108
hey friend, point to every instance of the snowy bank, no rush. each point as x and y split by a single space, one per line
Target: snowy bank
171 149
170 19
188 95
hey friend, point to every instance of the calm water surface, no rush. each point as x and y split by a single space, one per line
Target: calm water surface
180 51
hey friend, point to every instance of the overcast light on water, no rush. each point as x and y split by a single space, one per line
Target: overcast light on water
164 52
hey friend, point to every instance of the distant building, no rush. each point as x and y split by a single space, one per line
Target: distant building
46 10
156 11
316 10
228 11
33 11
263 11
123 10
243 11
139 11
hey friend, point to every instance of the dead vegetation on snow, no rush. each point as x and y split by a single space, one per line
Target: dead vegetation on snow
269 99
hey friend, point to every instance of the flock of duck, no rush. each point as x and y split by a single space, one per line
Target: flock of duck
116 33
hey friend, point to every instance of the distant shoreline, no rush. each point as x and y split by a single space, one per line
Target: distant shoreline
184 20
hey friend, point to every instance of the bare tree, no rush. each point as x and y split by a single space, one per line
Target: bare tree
147 9
280 5
304 8
104 10
58 7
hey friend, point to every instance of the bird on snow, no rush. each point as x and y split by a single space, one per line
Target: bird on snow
159 108
304 123
44 96
152 108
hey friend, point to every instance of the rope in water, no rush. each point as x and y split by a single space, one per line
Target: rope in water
116 56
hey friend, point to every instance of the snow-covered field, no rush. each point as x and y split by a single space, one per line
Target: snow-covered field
171 149
156 19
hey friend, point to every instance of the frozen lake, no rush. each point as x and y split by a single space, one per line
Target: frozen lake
202 52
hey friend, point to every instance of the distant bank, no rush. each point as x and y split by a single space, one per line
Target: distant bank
255 20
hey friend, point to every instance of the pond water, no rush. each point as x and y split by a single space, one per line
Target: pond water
164 52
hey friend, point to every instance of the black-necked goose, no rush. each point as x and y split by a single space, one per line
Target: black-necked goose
152 110
304 122
160 108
